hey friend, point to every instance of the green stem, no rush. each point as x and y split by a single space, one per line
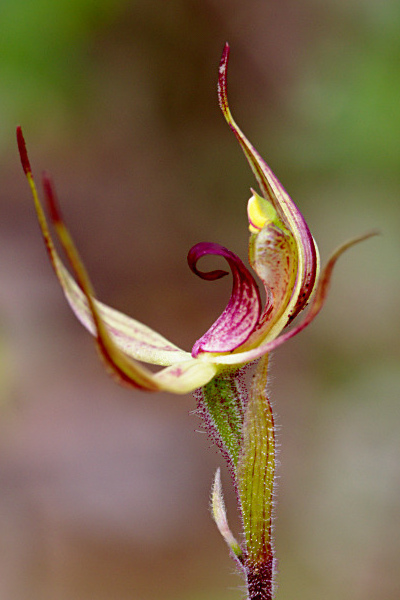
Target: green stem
255 477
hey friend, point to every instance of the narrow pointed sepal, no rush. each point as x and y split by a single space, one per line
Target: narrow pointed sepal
220 518
274 192
121 341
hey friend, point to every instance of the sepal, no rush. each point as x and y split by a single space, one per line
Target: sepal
274 192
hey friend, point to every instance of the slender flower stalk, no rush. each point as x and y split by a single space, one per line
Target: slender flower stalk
237 416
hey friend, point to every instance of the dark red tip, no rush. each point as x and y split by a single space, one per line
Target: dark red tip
225 52
51 198
23 152
223 66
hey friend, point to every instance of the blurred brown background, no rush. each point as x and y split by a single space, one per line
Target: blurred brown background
104 492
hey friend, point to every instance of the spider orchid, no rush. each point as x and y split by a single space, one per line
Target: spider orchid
285 258
282 253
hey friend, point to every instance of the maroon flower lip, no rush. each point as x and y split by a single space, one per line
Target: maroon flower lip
241 315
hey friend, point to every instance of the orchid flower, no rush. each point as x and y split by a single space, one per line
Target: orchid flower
282 253
284 256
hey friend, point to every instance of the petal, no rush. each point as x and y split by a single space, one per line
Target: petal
317 303
308 260
132 337
113 330
273 256
242 312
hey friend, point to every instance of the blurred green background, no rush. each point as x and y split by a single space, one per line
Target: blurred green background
104 492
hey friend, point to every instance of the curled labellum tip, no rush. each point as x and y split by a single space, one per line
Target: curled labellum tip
241 315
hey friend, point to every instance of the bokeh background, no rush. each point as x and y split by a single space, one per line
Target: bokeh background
103 491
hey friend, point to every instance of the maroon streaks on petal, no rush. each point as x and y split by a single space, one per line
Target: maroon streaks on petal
308 274
273 257
242 312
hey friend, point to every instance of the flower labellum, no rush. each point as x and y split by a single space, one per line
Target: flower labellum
238 417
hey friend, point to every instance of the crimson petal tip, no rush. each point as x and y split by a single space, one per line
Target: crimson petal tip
23 153
51 198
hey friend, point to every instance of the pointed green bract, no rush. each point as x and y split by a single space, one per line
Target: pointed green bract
219 515
224 412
